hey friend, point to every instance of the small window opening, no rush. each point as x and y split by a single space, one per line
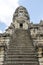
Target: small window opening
21 25
42 52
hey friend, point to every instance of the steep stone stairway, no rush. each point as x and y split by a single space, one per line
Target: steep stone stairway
21 50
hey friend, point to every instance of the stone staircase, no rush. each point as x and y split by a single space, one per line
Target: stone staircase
21 50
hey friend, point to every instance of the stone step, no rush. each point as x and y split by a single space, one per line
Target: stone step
21 48
23 62
20 63
12 46
22 41
9 53
19 43
21 51
26 56
18 49
21 59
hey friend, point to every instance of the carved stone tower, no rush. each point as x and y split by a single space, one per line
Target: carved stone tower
21 18
20 49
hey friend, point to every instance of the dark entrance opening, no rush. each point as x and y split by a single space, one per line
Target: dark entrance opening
21 25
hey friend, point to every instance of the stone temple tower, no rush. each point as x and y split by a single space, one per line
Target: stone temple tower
20 49
21 18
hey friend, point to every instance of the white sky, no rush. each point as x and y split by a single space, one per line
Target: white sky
0 31
7 7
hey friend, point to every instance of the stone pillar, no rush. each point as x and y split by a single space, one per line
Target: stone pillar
40 56
1 55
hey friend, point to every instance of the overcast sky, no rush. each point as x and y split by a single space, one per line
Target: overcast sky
7 8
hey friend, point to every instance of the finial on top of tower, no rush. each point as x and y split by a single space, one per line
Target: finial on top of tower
21 12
